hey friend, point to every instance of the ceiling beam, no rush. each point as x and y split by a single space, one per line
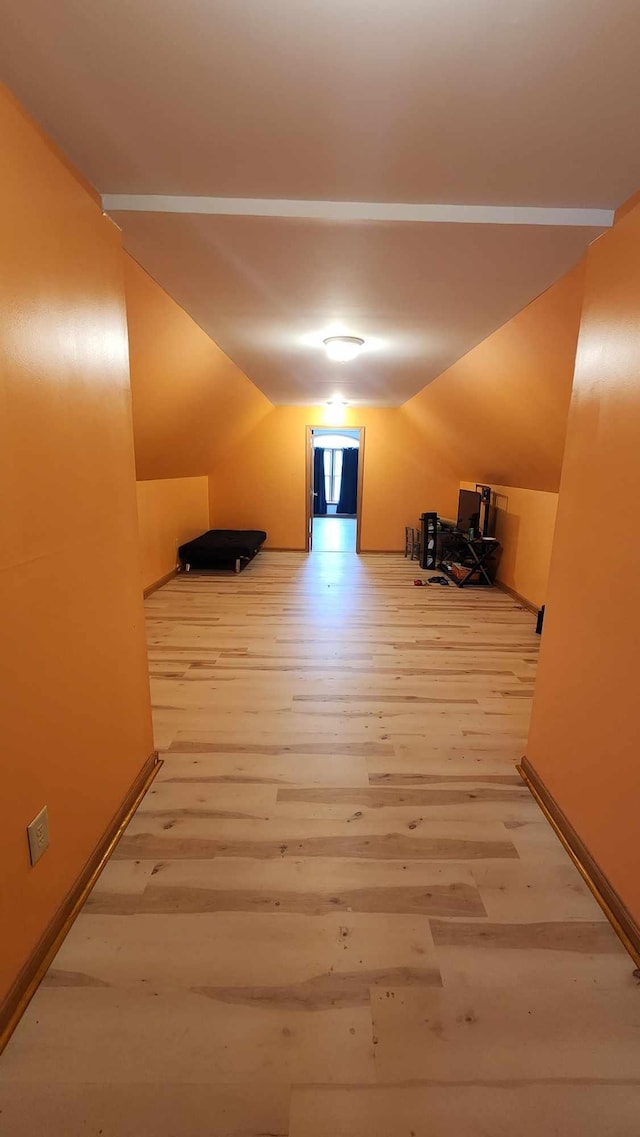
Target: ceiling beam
360 210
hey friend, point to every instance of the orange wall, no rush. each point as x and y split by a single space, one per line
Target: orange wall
261 482
585 731
74 693
499 414
170 512
190 402
525 520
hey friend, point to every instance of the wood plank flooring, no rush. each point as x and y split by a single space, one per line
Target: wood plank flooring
338 912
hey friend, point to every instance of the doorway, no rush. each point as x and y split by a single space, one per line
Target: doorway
334 488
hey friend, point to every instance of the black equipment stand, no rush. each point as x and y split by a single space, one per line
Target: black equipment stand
443 545
476 555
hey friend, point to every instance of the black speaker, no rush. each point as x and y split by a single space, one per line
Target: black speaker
487 511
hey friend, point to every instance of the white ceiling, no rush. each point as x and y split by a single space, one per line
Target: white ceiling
408 102
269 291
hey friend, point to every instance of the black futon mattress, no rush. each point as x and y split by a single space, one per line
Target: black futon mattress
222 547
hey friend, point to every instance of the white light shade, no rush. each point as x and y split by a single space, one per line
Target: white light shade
335 414
343 348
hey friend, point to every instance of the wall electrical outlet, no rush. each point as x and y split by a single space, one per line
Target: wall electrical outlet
38 835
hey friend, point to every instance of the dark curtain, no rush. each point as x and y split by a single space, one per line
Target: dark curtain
320 499
348 502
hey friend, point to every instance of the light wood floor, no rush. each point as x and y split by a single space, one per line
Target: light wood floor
338 912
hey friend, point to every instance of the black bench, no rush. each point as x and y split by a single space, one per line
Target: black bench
222 548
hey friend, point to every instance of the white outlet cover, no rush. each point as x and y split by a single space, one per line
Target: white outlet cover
38 835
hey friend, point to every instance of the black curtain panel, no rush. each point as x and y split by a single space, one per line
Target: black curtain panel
348 502
320 499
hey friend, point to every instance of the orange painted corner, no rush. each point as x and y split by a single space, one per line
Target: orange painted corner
170 512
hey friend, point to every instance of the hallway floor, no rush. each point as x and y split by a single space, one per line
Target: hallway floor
338 912
334 534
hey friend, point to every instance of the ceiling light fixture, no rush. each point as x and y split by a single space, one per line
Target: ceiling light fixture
343 348
335 412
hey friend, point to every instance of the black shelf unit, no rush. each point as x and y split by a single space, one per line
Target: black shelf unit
429 541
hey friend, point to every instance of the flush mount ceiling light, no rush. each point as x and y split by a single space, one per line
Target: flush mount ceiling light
343 348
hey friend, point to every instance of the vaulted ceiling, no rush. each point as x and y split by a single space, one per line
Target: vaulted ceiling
223 133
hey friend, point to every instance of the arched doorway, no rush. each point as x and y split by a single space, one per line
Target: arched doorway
335 487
